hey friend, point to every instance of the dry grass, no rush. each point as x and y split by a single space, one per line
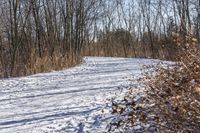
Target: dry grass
134 50
1 70
47 63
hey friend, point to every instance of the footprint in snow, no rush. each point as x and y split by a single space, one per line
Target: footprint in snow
80 127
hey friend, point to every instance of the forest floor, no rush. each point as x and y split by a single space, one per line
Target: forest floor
73 100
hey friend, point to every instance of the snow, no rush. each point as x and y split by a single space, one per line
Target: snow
73 100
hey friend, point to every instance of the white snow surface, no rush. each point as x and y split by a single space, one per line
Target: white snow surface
74 100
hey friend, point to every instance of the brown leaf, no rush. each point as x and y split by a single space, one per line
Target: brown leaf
197 89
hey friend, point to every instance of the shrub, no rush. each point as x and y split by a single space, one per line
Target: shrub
172 97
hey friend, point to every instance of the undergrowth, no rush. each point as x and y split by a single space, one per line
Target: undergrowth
171 99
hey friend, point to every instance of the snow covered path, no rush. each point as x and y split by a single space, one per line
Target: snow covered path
73 100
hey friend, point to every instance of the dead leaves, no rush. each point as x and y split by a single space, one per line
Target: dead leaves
197 90
174 96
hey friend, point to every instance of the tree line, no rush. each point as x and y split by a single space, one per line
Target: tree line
40 35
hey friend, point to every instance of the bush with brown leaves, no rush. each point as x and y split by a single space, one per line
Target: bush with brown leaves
171 102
